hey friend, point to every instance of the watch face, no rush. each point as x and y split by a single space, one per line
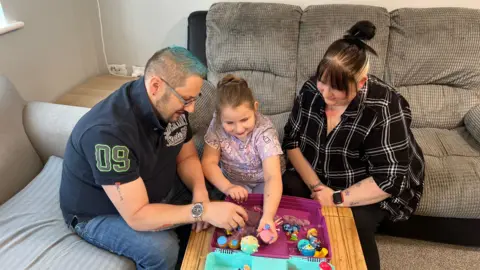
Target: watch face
337 198
197 210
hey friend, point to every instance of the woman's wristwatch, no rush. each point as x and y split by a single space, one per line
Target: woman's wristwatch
338 198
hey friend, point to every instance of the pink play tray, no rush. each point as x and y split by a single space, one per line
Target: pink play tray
285 248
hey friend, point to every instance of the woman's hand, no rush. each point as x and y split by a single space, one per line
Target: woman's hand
323 195
238 193
271 227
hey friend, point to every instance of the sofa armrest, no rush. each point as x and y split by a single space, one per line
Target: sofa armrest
48 126
472 122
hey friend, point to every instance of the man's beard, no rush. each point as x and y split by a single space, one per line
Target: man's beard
161 107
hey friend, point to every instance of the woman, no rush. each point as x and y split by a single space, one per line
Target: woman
349 143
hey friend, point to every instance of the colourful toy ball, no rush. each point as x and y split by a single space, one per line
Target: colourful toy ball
233 244
249 244
308 250
302 243
266 236
222 242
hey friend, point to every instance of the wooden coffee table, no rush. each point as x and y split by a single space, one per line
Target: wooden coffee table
346 249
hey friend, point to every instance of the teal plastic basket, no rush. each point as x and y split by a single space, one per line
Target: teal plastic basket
222 259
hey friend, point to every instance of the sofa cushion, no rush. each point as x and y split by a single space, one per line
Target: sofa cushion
19 162
452 167
34 234
439 106
262 49
323 24
436 47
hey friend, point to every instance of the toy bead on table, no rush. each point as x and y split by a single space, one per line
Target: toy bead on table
222 242
233 243
249 244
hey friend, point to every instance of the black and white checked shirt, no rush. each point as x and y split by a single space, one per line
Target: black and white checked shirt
373 138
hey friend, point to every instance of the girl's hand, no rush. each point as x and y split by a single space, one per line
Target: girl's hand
272 228
238 193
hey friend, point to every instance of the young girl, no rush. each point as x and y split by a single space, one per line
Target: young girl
246 145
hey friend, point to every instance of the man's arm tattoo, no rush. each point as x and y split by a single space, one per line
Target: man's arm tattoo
354 203
117 184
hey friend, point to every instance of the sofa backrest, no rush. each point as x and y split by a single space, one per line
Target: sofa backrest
19 163
430 55
321 25
258 42
433 59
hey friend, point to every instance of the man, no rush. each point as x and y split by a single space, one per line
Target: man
129 161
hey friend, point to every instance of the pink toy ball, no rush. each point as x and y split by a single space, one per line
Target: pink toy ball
266 236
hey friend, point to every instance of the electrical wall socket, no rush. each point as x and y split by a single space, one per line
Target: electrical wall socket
120 70
137 71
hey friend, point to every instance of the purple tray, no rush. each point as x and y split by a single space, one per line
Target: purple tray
284 248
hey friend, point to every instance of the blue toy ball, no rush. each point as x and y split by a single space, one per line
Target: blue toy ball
302 243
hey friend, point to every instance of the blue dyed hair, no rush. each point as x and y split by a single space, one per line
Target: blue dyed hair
175 64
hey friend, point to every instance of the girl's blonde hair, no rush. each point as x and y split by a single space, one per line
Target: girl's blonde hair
233 91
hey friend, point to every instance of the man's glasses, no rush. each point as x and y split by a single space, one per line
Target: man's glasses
185 102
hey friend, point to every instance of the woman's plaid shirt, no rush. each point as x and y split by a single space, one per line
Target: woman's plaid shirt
373 138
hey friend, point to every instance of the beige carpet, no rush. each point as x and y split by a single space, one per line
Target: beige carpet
400 254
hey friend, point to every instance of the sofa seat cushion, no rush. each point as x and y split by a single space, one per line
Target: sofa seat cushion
452 167
35 236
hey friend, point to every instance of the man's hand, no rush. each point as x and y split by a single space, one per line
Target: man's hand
323 195
225 215
200 196
238 193
264 221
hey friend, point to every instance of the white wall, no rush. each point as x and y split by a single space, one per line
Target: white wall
134 30
58 48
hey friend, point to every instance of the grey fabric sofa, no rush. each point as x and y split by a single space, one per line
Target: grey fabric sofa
33 234
430 55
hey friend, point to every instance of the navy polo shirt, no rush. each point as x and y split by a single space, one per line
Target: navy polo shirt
119 140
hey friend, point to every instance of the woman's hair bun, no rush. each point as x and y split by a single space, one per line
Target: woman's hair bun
231 79
363 30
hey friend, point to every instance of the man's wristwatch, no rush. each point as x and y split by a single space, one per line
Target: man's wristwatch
197 211
338 197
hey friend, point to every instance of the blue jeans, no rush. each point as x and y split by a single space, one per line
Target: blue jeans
149 250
